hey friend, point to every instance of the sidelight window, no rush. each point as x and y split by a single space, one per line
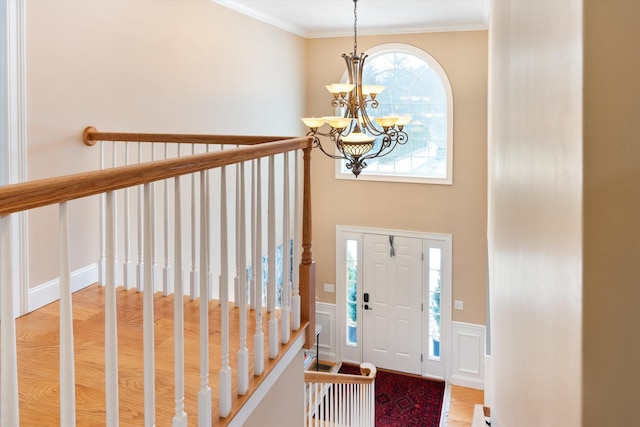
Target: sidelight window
352 292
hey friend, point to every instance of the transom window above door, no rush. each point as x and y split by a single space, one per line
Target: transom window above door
415 85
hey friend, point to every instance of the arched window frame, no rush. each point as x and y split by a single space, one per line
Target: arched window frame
342 173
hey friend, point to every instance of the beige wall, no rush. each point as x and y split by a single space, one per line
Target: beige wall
611 368
459 209
188 66
535 212
284 403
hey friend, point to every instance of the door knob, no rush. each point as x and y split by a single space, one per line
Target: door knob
366 307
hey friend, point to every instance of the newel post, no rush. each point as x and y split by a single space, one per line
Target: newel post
307 264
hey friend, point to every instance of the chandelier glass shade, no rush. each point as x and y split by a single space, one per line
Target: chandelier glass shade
357 136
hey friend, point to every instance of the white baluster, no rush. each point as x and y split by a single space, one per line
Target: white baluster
180 417
225 370
127 271
272 281
102 258
320 404
318 414
204 395
147 310
111 319
166 273
208 197
67 371
116 268
333 403
372 399
258 340
285 319
236 280
297 213
193 289
243 352
340 403
152 230
307 400
252 283
140 266
9 412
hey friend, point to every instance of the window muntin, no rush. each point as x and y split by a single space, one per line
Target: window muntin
417 85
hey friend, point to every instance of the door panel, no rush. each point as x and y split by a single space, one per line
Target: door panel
392 324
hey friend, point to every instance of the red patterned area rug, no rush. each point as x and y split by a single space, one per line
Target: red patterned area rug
404 400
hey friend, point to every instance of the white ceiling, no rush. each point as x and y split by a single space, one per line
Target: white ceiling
332 18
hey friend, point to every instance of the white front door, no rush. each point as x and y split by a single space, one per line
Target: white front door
392 302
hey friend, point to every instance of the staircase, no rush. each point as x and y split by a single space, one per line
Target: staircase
340 400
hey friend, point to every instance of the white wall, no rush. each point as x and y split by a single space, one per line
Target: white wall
535 212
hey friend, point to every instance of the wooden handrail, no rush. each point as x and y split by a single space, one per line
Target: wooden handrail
90 136
368 376
48 191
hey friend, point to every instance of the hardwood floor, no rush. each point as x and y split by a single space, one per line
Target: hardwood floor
38 359
462 404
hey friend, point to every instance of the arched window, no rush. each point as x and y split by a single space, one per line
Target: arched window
416 85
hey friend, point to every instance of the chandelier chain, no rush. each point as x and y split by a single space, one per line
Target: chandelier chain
355 27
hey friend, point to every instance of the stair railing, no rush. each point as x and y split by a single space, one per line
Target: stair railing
116 183
340 400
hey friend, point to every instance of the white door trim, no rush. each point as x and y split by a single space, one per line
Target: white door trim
343 233
13 159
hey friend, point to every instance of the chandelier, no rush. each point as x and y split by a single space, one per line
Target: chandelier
355 132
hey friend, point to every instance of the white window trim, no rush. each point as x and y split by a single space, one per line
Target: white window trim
437 68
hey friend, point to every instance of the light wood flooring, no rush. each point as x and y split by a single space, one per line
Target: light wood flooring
38 359
38 362
461 406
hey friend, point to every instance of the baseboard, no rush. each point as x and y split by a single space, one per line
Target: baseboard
48 292
446 406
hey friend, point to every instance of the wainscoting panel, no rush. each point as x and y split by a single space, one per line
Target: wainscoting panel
326 317
468 358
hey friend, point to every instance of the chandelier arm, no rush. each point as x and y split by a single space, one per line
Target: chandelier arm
389 143
318 144
361 99
338 103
